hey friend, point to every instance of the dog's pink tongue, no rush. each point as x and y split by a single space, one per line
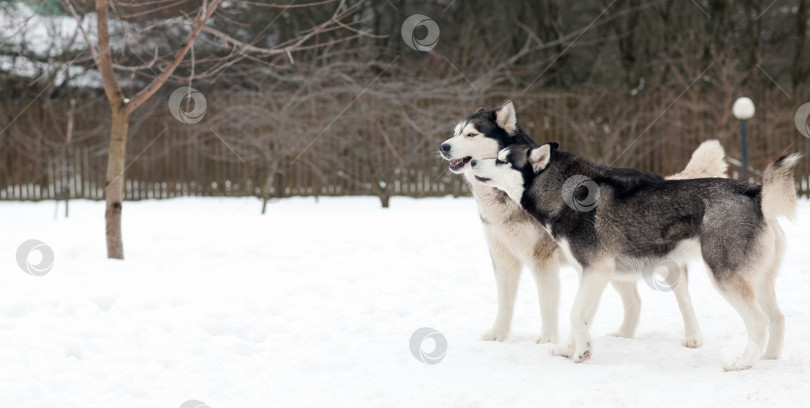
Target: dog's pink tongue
456 162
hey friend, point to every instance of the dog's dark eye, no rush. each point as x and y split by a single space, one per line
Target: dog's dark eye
470 134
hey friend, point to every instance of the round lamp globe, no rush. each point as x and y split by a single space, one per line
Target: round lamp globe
743 108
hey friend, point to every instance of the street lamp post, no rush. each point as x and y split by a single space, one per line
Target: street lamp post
744 110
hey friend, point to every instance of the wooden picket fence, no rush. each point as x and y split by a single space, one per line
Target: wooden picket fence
36 162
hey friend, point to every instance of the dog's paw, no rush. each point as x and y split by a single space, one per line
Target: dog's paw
583 356
770 356
693 341
737 365
562 350
621 333
546 339
494 335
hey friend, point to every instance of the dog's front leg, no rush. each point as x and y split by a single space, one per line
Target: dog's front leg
591 285
547 277
507 275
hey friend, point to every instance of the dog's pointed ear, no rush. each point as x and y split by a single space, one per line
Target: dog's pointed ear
539 157
505 117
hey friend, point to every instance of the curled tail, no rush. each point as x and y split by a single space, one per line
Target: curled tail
778 187
709 160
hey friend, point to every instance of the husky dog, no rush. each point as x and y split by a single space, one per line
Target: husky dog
515 239
637 221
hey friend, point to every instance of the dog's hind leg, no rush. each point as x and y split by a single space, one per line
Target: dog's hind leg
632 307
767 297
546 271
691 329
507 275
593 282
776 320
739 293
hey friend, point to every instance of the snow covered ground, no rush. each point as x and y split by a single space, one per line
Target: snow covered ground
314 305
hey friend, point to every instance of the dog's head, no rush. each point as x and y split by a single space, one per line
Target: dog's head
482 135
514 169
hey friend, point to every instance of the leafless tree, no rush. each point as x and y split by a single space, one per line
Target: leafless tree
122 106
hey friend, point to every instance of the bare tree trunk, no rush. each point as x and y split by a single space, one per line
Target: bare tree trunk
753 34
798 74
122 109
114 191
385 199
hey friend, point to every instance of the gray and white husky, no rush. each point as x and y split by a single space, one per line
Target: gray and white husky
516 240
640 222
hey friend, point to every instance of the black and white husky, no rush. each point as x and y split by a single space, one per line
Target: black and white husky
516 240
641 222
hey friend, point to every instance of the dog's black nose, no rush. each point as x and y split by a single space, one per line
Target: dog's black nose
444 148
473 163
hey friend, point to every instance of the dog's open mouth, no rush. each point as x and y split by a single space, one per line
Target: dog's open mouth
482 179
457 164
